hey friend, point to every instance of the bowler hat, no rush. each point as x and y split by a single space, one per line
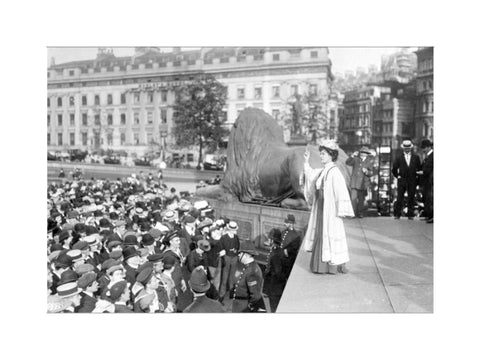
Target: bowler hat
67 277
129 252
104 223
130 240
198 280
247 247
426 143
147 239
63 260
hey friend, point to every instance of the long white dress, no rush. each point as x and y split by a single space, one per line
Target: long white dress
325 236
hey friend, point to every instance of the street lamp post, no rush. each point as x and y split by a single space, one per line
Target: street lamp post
359 134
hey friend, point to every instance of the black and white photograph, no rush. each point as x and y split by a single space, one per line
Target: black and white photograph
240 179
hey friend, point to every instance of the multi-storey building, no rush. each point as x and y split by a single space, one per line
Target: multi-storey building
356 121
127 102
424 90
393 120
399 66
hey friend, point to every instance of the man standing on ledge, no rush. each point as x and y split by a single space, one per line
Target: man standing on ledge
427 174
360 179
405 169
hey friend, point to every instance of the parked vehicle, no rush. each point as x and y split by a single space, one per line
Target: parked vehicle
77 155
142 162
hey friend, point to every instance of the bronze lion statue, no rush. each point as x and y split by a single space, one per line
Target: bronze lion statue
261 167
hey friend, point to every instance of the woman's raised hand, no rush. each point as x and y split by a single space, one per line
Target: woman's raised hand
306 155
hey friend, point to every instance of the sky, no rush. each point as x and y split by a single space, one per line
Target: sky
346 58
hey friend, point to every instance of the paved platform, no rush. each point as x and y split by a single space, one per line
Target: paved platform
391 271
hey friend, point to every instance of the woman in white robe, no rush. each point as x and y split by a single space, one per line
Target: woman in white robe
326 191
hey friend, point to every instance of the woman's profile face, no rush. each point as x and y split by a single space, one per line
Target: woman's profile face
325 157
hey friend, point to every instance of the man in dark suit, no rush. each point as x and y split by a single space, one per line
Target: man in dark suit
360 179
405 169
427 175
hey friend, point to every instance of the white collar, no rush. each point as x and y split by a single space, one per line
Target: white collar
431 151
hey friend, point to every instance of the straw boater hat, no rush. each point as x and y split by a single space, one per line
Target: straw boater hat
407 144
232 225
364 150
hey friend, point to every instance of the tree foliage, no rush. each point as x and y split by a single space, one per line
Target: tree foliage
306 115
198 113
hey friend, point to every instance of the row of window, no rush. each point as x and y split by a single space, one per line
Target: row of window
96 139
179 58
123 118
426 64
357 108
357 121
123 100
258 91
425 85
425 107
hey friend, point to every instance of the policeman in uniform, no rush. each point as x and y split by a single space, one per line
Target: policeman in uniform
247 293
291 241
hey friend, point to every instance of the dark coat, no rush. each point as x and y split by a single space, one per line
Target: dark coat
404 172
359 180
275 273
87 304
203 304
194 259
427 168
230 245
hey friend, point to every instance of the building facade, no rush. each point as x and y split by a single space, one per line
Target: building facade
424 90
356 121
127 102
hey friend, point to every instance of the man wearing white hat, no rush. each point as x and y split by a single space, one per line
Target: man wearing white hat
405 169
229 245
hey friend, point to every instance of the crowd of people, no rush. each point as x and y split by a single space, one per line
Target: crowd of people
132 245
